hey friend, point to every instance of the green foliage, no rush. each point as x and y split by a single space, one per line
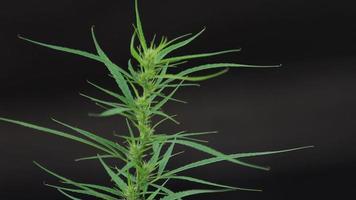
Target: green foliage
143 90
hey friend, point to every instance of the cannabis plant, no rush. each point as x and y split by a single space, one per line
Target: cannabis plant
144 87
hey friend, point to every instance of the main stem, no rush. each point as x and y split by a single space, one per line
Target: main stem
139 147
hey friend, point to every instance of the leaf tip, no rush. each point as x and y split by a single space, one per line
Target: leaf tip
92 30
308 147
53 119
36 163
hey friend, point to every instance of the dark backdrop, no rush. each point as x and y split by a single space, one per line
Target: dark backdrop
310 100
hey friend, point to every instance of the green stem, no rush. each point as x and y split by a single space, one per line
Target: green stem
142 145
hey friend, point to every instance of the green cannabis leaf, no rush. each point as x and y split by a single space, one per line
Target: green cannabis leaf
144 87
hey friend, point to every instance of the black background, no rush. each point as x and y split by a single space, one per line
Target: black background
310 100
